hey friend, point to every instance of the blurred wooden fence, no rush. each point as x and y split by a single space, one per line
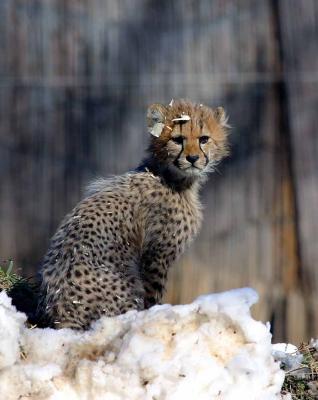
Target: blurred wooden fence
75 79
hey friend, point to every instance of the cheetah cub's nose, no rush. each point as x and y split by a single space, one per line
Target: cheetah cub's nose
192 159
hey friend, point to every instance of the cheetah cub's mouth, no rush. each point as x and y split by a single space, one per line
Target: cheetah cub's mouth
189 139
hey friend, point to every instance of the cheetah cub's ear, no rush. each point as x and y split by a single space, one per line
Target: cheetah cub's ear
156 116
221 117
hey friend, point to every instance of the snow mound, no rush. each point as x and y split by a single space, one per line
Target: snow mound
210 349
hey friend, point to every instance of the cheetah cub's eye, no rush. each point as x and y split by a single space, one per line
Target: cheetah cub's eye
178 139
203 139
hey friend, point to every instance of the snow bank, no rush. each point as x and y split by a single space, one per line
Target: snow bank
210 349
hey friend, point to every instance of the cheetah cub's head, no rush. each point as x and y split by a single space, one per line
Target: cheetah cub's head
187 139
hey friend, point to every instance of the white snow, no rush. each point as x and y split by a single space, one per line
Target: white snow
314 343
289 356
157 129
183 117
286 348
210 349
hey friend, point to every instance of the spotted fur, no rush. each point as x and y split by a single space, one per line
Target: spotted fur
112 252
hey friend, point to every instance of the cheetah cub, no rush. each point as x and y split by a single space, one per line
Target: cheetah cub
112 253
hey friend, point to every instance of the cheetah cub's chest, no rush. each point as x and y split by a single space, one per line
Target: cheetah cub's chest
172 219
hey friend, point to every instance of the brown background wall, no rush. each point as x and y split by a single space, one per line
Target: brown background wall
76 77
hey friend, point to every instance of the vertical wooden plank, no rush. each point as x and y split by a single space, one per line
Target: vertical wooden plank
299 28
239 246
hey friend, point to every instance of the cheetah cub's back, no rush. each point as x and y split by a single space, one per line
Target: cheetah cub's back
112 253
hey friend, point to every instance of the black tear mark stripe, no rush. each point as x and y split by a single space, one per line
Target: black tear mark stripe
201 128
205 156
178 156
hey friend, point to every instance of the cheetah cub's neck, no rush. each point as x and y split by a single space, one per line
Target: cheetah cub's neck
187 141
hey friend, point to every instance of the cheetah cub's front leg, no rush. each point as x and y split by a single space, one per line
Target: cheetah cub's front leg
154 273
171 224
